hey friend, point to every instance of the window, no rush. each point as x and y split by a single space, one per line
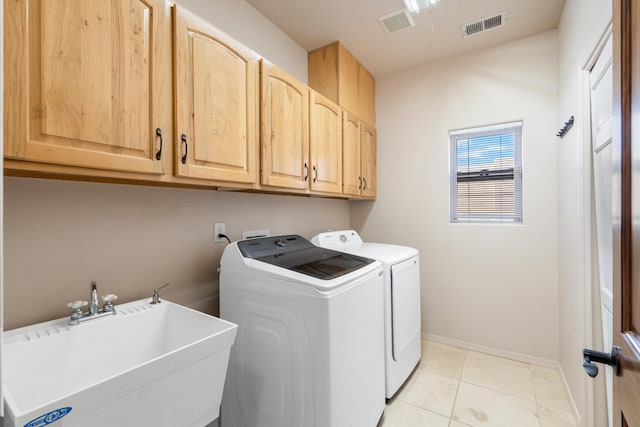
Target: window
486 174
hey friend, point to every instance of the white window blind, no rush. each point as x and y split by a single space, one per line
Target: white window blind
486 174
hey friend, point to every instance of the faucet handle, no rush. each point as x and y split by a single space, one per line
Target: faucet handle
109 298
108 302
76 305
77 310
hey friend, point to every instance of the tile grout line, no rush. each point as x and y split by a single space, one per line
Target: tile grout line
535 395
455 399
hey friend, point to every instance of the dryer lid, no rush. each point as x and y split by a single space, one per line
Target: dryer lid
295 253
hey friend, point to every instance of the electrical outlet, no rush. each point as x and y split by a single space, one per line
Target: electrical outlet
219 228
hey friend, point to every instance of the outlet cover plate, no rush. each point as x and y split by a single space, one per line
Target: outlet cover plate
219 228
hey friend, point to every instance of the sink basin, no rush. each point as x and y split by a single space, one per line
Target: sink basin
149 365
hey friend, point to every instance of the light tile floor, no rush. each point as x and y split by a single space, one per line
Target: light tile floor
453 387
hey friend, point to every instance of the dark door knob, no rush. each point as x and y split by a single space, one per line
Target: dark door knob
611 359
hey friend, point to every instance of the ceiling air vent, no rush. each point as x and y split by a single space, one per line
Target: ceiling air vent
396 21
485 24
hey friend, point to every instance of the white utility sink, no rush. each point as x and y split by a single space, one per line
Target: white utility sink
149 365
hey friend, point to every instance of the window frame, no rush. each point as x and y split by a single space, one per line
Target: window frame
517 216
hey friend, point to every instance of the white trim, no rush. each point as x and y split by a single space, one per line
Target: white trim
489 128
591 55
595 49
519 357
567 392
584 200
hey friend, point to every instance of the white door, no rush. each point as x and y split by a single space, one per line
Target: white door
601 112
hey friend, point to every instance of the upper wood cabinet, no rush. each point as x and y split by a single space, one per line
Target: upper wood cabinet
325 122
217 106
337 74
301 135
359 155
144 91
285 129
88 83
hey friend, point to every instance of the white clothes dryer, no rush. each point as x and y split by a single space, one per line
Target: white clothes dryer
401 300
309 349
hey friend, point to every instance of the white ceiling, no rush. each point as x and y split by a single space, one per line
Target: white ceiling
437 33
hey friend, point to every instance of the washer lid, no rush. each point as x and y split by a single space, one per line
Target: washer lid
295 253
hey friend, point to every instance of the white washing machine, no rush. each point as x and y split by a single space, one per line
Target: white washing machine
401 300
309 350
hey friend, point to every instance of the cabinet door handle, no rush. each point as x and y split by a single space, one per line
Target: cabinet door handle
360 185
364 180
315 173
186 149
306 172
159 153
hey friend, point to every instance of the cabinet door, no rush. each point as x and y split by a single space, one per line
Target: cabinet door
325 122
366 96
87 82
348 88
285 129
351 178
216 103
323 71
368 147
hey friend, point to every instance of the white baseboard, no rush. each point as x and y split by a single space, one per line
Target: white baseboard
572 403
493 351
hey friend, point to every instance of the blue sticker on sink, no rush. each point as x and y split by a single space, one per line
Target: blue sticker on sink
49 417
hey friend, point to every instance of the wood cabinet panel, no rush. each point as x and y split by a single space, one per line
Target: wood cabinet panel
368 160
325 119
348 88
90 92
216 103
323 72
351 177
366 96
284 128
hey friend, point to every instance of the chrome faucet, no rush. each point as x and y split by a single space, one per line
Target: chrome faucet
94 311
94 308
155 298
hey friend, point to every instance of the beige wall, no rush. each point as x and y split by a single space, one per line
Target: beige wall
509 302
581 25
59 236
